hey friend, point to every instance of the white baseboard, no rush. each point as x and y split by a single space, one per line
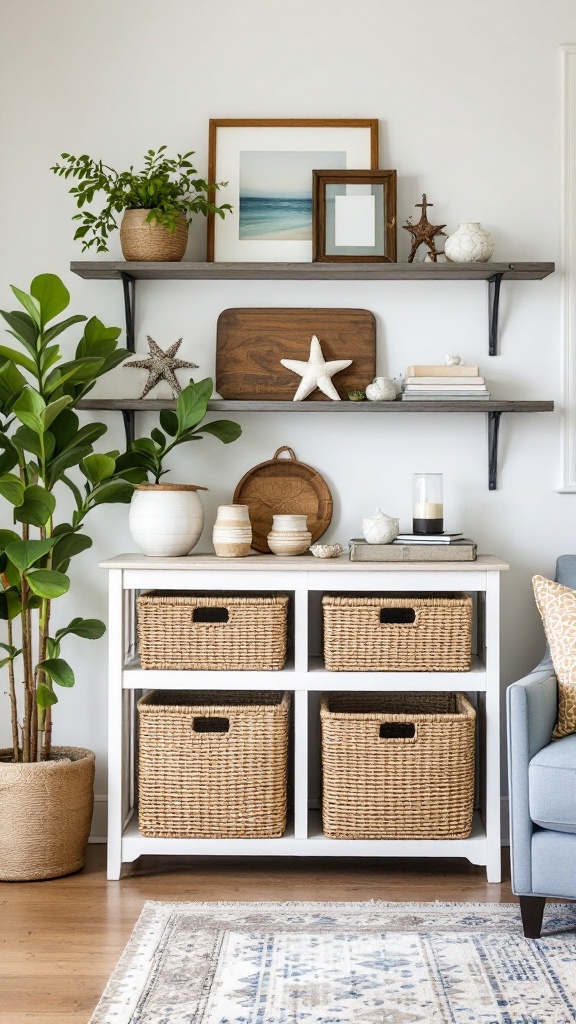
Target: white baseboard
100 819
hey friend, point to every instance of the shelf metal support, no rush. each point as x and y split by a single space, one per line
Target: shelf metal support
129 286
493 304
493 429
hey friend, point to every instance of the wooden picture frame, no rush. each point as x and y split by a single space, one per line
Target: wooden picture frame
354 216
268 166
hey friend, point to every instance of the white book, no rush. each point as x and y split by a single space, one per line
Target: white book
428 538
452 381
444 387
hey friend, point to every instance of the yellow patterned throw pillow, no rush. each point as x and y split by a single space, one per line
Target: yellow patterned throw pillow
557 606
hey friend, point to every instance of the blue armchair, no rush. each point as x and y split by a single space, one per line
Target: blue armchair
542 788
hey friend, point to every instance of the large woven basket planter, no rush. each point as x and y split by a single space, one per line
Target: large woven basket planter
150 241
45 814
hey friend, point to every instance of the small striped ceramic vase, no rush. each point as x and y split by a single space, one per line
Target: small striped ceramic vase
232 533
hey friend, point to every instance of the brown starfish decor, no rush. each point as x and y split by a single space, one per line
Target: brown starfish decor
423 231
161 366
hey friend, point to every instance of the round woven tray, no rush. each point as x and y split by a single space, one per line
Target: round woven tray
284 486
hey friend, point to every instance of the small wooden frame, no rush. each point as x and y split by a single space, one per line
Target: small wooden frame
354 216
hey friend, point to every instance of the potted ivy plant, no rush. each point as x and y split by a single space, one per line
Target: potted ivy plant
167 519
157 203
46 459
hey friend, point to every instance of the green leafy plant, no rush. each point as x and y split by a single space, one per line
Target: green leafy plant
45 454
147 454
166 186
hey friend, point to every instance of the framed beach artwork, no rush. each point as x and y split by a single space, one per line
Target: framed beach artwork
268 165
354 216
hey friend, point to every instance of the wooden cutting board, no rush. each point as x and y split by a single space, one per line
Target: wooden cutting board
251 342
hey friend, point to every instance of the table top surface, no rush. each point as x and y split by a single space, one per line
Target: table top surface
295 563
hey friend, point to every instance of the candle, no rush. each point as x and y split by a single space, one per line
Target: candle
428 510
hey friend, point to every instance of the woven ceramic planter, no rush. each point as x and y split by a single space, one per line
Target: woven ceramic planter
45 814
142 240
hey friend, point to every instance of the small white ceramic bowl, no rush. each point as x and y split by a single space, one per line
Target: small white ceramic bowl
326 550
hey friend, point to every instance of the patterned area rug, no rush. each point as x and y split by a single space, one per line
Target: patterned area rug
343 963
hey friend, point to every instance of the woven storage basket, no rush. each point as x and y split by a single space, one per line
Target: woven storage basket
397 633
213 765
252 637
397 765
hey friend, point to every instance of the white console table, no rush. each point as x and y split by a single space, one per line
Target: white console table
304 577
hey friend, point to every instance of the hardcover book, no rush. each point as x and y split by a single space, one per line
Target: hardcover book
458 551
443 371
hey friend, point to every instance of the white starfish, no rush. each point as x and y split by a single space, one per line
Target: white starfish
316 373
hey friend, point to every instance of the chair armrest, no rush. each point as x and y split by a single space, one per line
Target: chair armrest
531 714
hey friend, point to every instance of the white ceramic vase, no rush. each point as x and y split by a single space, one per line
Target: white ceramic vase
470 243
232 533
380 528
166 519
289 535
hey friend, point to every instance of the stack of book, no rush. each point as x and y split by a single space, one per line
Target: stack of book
430 383
411 547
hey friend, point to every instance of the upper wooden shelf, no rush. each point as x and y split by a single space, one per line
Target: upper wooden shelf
104 269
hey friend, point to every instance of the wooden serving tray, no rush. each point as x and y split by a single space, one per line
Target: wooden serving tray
251 342
284 486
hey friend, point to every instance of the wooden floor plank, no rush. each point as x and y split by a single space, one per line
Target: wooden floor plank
60 939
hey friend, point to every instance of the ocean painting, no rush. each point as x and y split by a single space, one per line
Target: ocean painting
276 193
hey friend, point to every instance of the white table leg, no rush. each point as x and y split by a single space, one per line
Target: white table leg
492 744
115 725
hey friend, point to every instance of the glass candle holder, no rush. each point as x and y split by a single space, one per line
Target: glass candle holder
428 503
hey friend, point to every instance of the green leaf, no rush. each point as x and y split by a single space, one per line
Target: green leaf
58 670
25 553
89 629
69 545
28 441
79 370
28 302
90 433
12 488
98 467
51 294
29 408
57 329
65 430
37 507
23 328
144 444
52 648
17 357
8 537
97 339
54 409
69 457
169 422
226 430
192 403
158 437
112 491
45 697
13 604
11 383
47 583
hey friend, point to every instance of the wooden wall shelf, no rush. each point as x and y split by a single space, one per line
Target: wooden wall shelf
186 271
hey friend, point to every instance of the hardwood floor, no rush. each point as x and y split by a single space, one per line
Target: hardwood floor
60 940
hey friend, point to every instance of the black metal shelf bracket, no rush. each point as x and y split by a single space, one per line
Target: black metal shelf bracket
129 286
493 430
129 426
493 305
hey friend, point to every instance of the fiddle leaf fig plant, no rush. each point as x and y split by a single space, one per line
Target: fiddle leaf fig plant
147 454
167 186
45 455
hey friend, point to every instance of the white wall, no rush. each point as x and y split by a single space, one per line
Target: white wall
468 97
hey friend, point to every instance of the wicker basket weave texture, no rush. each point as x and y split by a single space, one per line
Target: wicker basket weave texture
376 787
253 638
438 640
202 784
45 814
